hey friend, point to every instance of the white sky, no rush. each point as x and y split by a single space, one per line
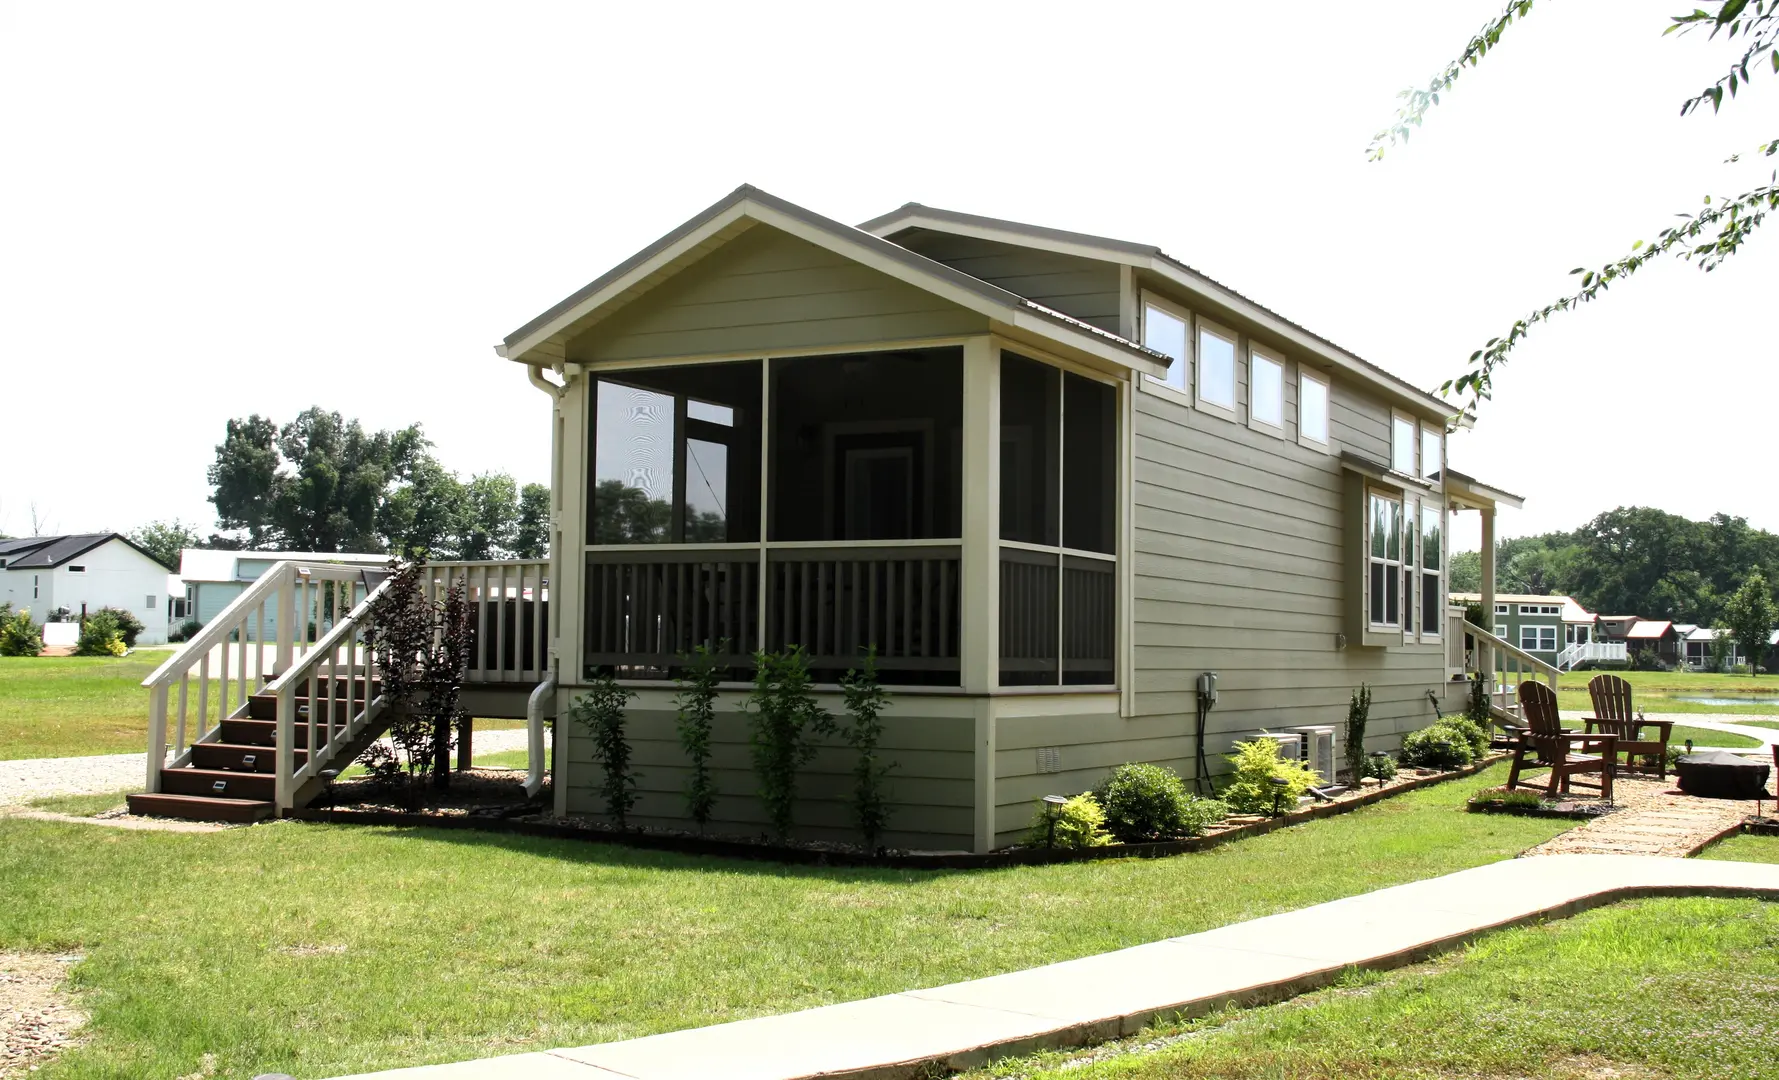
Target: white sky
210 210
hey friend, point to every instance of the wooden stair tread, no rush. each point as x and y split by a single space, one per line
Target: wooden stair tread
201 807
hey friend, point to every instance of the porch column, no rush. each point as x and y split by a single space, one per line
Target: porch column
1485 654
980 589
568 558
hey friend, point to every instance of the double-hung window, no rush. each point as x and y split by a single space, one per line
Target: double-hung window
1432 563
1538 638
1410 577
1385 560
1165 331
1266 392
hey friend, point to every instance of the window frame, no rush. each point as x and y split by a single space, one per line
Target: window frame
1201 327
77 568
1432 506
1182 394
1392 568
1501 631
1256 355
1537 630
1399 418
1421 458
1501 609
1325 444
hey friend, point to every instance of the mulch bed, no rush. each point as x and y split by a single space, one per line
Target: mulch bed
478 792
532 819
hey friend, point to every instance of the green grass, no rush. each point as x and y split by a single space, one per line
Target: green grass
1745 848
1706 737
80 805
72 706
1654 989
319 950
1654 691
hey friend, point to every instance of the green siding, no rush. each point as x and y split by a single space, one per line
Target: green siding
1086 289
766 290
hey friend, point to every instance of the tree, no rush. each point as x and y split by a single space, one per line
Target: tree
244 476
531 538
488 520
1464 572
165 539
422 515
1704 238
1750 615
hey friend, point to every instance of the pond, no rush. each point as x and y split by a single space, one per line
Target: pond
1739 699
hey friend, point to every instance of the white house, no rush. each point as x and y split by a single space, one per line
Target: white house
212 578
85 571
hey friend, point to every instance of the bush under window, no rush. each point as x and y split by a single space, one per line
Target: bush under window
1078 823
1253 792
1444 745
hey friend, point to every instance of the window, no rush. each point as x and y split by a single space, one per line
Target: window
1402 445
1058 567
33 586
1432 563
1538 638
1266 392
150 604
1385 557
1410 579
1432 451
1216 367
1312 409
76 569
1500 609
1164 330
1501 631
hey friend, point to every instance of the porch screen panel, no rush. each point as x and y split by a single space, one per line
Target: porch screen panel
1029 623
1030 421
648 608
1089 628
1090 464
838 602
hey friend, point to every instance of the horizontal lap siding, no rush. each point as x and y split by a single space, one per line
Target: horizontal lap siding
1241 568
1088 736
1086 289
768 290
930 788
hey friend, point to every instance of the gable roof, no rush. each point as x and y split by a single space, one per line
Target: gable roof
1153 259
49 552
747 206
1646 628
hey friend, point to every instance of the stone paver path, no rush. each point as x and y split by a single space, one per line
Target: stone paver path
1119 993
1654 818
37 778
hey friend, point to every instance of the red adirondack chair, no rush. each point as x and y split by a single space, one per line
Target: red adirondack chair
1544 740
1614 714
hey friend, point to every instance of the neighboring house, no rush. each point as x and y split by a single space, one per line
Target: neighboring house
1555 629
1698 646
1659 637
86 571
1054 479
213 578
1616 627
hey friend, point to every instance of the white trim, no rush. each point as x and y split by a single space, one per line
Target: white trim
1421 460
1326 444
1433 506
1393 568
1052 549
1398 416
1258 354
601 367
1183 364
1222 333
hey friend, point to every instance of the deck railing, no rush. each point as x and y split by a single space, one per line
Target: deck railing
509 616
1506 665
1585 652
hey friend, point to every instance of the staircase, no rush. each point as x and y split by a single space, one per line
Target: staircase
1505 665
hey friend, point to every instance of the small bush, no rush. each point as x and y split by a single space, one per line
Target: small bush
19 636
1143 802
381 766
127 623
1741 669
1500 796
1442 746
1078 823
1256 762
1358 716
1379 766
1201 814
601 711
100 637
185 631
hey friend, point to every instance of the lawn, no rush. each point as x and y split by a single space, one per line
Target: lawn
1763 849
1655 691
318 949
71 706
1656 988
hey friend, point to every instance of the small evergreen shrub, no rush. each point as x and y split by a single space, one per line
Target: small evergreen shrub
19 636
1358 716
1078 823
185 631
127 624
1256 762
381 767
1143 802
100 637
1442 746
1201 814
1378 767
601 711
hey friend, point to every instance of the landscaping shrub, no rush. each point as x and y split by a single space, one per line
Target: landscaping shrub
185 631
601 711
382 768
1477 734
1255 763
1201 814
1477 710
1358 716
1379 766
127 623
1441 746
19 636
1078 823
697 703
422 652
785 718
865 702
99 636
1143 802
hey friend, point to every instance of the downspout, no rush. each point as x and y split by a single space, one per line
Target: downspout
537 706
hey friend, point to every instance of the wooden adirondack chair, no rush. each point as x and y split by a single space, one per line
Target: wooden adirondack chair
1544 739
1614 714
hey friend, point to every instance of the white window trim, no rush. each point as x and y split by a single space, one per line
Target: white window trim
1501 631
1421 459
1258 353
1217 408
1150 383
1392 568
1414 443
1324 445
1538 633
1500 609
1436 572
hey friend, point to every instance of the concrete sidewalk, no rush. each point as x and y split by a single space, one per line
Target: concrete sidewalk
1119 993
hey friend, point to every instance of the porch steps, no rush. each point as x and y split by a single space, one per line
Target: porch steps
233 779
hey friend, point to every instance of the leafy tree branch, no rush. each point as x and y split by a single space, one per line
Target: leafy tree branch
1417 102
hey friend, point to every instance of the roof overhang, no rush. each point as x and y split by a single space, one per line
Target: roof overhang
1152 259
1378 472
747 206
1469 493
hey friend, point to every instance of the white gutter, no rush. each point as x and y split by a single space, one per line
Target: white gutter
534 730
536 373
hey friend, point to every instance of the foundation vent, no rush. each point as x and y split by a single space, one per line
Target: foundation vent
1049 759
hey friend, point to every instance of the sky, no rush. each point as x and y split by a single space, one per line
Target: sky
210 210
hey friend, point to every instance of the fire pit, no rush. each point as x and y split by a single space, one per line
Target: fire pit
1718 775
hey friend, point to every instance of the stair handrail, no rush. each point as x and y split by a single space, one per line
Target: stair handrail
345 629
1516 661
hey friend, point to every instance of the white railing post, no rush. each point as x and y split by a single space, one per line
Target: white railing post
284 759
157 736
286 622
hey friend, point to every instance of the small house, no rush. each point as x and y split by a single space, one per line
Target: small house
84 572
213 578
